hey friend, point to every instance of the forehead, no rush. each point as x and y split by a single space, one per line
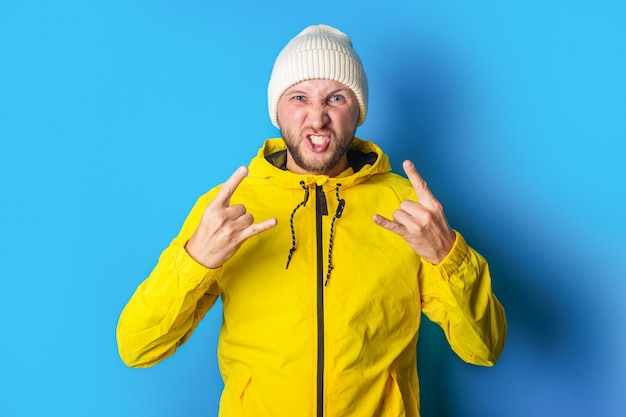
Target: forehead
318 87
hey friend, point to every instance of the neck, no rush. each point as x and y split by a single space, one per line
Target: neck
333 171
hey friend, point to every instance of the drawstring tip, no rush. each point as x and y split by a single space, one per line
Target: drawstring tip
291 251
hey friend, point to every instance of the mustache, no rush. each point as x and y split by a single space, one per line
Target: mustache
318 132
306 132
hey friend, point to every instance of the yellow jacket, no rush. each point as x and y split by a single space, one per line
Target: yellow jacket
300 341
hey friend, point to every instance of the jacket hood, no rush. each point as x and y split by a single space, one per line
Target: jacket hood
365 159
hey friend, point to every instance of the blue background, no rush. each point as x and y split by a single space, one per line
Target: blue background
116 115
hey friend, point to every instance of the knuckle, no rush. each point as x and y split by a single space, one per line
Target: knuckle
228 228
254 229
225 191
406 205
216 218
436 206
425 219
239 209
221 218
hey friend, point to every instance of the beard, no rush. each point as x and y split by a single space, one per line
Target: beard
335 153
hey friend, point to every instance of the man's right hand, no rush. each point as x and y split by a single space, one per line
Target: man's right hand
223 228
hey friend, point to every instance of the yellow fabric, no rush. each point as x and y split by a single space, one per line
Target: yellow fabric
372 305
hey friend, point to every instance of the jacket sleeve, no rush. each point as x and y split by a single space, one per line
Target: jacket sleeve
166 307
457 295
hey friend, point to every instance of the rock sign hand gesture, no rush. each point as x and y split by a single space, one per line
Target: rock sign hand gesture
224 228
421 223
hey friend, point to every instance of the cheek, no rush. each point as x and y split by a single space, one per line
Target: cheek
347 119
289 117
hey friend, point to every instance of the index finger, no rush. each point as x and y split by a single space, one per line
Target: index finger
418 183
230 185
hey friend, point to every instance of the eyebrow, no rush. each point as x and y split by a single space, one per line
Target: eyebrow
342 89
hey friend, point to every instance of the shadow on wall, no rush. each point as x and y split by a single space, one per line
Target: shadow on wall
429 121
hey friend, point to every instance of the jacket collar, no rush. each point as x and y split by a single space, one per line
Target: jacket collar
365 159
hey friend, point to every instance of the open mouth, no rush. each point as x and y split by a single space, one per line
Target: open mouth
317 140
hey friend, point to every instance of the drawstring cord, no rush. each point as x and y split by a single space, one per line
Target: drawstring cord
340 206
293 230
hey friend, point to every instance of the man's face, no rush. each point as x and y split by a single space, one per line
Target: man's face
317 120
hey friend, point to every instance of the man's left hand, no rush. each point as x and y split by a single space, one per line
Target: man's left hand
421 223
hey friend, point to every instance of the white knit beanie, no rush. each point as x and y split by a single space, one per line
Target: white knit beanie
318 52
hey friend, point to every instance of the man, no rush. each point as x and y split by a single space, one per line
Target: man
322 299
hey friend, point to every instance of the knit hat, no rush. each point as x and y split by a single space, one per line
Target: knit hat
318 52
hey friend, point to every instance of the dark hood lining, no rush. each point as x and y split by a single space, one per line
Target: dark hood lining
356 159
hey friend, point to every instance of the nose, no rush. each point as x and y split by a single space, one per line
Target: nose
318 117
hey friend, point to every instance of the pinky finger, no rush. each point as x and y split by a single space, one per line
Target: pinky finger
255 229
386 223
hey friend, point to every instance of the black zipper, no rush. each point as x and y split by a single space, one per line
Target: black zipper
321 209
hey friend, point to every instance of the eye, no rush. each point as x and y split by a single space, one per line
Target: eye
298 98
336 98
